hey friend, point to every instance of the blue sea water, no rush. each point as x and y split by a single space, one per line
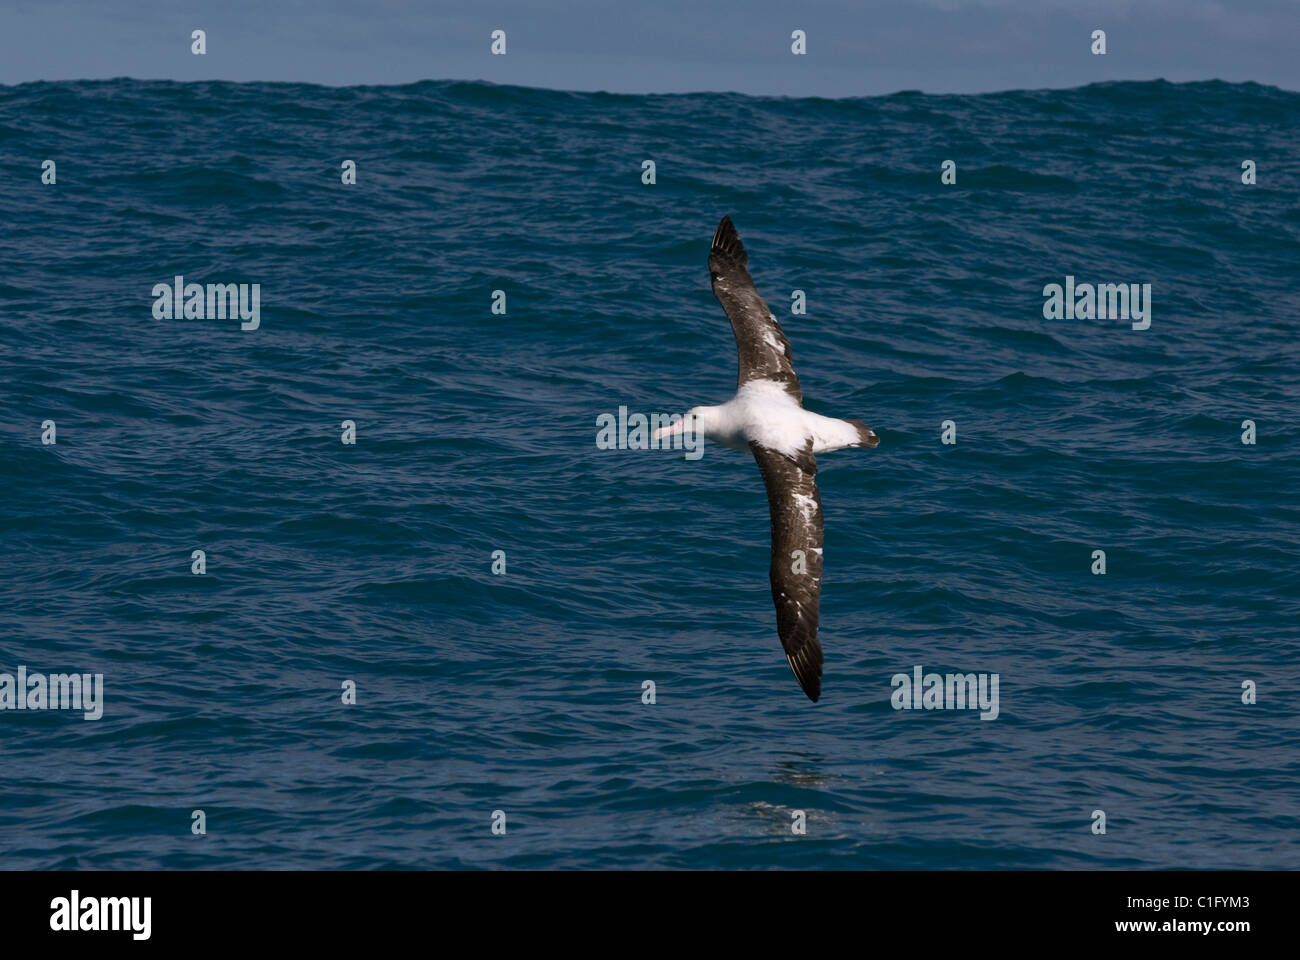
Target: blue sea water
522 692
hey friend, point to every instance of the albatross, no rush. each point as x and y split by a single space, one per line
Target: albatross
766 416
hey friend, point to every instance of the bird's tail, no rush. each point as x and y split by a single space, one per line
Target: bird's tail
866 436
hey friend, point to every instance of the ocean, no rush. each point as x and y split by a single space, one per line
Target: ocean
433 647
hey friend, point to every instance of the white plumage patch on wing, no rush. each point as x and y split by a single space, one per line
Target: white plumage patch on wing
807 506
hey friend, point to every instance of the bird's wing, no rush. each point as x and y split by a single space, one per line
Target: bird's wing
762 349
796 570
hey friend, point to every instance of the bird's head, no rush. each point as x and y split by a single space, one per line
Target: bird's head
695 421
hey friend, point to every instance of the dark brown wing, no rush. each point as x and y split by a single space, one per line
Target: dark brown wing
763 352
796 572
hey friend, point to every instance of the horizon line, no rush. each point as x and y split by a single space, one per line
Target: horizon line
678 93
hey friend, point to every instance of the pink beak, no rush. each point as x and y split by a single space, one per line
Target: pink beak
681 426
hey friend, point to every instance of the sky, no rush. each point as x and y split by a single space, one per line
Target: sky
855 47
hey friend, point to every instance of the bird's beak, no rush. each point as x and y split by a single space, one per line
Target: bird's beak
681 426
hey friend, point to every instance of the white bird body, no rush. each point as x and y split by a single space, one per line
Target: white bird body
764 412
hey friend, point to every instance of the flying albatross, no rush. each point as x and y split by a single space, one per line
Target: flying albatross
767 417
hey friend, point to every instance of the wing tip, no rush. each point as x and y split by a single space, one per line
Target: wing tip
806 664
726 242
809 676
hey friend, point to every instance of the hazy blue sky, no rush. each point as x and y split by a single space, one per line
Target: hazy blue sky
854 46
